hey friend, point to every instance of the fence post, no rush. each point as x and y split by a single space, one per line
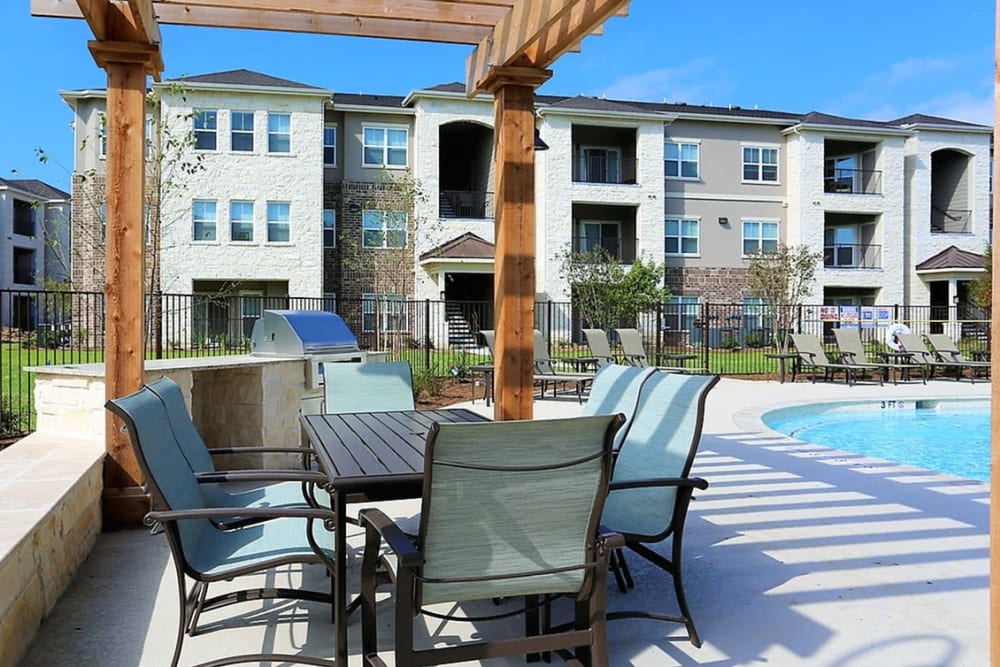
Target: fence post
427 334
548 324
706 317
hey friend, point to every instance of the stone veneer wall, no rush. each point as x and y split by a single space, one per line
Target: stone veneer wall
713 285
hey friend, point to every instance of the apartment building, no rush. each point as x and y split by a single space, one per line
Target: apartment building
34 247
310 193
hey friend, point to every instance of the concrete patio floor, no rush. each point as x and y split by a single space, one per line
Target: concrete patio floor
795 555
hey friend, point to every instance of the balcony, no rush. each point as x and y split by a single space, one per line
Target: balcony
24 220
606 168
466 204
950 221
853 182
852 256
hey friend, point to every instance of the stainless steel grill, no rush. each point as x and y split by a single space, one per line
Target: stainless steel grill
316 336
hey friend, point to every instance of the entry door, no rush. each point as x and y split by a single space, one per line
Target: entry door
601 165
251 307
607 235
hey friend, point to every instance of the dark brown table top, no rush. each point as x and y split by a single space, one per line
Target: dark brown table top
378 455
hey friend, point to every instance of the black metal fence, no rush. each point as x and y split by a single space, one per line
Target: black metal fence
437 337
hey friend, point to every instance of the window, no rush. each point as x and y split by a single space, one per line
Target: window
756 315
330 145
241 220
760 164
680 313
680 160
203 218
242 131
279 133
600 165
205 124
277 221
385 146
680 236
102 136
330 302
383 229
329 228
606 235
759 237
388 311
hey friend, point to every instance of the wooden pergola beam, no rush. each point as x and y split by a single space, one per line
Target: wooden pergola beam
535 34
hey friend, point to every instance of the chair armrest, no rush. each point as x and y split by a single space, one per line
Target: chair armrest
163 516
693 482
611 540
275 475
398 541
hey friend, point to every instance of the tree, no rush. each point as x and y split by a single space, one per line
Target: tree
782 278
605 294
981 289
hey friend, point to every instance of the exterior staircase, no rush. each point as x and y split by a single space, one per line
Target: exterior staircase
460 334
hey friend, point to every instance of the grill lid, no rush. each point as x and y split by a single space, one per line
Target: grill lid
301 332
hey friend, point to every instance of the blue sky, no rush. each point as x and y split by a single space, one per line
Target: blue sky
869 59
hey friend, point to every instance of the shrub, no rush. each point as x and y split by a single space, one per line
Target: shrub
426 383
10 421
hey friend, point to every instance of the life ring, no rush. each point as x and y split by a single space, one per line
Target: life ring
892 331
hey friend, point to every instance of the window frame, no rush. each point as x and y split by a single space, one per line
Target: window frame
277 224
680 236
233 221
384 230
275 134
680 309
384 146
330 215
759 164
211 128
760 238
680 159
327 146
242 131
195 221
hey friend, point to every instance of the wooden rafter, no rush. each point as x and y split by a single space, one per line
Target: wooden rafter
504 32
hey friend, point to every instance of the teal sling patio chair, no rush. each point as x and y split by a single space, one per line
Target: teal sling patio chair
369 387
260 487
510 510
651 487
947 350
615 389
813 357
202 552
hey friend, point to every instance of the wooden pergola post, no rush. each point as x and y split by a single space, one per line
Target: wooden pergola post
513 91
127 63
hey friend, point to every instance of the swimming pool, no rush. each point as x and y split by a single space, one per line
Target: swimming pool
951 436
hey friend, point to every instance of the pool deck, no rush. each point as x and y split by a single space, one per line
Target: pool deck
796 555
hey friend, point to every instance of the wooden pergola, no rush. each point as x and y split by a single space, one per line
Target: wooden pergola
514 41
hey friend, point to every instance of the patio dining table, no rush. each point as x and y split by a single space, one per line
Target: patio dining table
370 456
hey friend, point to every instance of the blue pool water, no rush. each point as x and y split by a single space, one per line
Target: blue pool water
946 435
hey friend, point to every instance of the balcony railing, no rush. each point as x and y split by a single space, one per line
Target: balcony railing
466 204
854 182
852 256
615 247
603 169
950 221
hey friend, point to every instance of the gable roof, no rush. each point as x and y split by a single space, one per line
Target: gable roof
919 119
466 246
33 186
244 77
952 258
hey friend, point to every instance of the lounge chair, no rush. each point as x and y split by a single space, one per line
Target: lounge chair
600 348
634 353
541 352
235 488
813 357
651 486
510 510
914 345
369 387
204 553
852 351
947 350
616 390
